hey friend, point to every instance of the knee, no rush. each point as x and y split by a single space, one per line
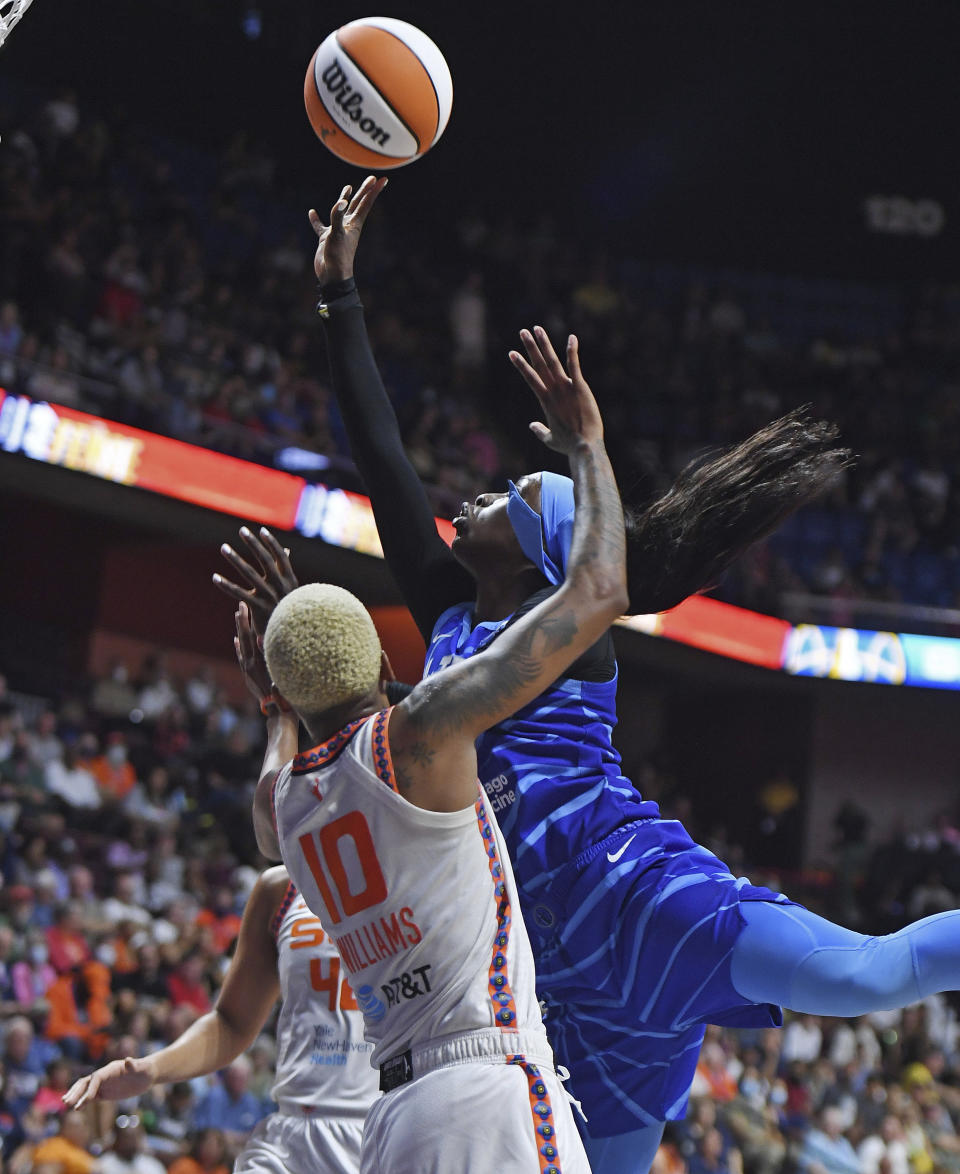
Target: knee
875 975
867 988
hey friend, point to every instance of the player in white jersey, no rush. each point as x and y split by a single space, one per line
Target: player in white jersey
324 1082
387 833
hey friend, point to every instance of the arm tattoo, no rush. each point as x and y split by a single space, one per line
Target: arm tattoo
560 631
494 680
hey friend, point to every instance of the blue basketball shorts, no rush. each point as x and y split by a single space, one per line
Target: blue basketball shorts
633 944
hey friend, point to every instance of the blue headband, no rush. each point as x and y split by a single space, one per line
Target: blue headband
545 537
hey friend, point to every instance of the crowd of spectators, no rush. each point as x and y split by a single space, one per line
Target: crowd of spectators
114 935
162 287
152 284
877 1095
126 858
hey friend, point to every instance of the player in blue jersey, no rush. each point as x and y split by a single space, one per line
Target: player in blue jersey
641 936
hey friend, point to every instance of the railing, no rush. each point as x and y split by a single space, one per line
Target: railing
102 398
804 607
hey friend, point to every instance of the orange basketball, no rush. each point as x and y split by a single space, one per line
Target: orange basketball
378 93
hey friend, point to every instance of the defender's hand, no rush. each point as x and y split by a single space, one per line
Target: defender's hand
115 1081
249 649
572 413
269 580
337 243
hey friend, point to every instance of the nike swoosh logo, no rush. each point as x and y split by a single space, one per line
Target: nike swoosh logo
613 857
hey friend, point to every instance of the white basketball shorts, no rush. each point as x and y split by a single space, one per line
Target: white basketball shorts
283 1144
484 1117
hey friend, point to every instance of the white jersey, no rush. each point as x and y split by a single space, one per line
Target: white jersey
422 905
323 1061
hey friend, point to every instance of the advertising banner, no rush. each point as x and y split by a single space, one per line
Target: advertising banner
61 436
57 435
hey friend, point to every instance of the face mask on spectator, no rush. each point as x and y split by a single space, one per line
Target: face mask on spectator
117 755
106 954
38 954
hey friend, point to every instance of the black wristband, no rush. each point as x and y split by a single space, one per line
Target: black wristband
338 295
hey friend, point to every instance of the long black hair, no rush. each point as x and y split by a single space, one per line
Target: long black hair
722 503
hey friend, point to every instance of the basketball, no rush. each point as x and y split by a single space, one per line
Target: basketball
378 92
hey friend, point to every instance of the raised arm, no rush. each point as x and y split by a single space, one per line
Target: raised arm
250 989
429 577
283 729
282 746
432 732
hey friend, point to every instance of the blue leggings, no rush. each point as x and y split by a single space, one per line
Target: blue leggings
627 1153
789 956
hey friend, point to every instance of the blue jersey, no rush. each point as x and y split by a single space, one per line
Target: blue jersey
633 925
551 772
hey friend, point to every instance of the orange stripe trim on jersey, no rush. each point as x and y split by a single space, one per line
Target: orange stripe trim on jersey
501 994
542 1112
380 745
325 753
288 899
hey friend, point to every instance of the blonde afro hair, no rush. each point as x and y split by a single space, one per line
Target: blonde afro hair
321 648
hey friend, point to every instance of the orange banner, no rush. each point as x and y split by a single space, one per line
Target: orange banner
62 436
75 440
721 628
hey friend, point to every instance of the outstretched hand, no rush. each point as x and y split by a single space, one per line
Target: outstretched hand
567 401
270 575
115 1081
249 649
337 243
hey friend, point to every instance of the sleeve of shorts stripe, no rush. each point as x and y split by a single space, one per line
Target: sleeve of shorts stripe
429 577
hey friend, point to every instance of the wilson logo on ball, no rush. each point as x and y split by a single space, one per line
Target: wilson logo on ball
378 93
350 102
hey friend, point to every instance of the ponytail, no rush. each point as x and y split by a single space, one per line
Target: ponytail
721 504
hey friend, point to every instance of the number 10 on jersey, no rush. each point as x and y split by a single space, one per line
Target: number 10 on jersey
324 852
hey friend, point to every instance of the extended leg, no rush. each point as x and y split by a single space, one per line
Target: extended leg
790 956
627 1153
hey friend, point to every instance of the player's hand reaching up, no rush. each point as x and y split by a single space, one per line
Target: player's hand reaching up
572 414
249 649
338 240
115 1081
269 575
